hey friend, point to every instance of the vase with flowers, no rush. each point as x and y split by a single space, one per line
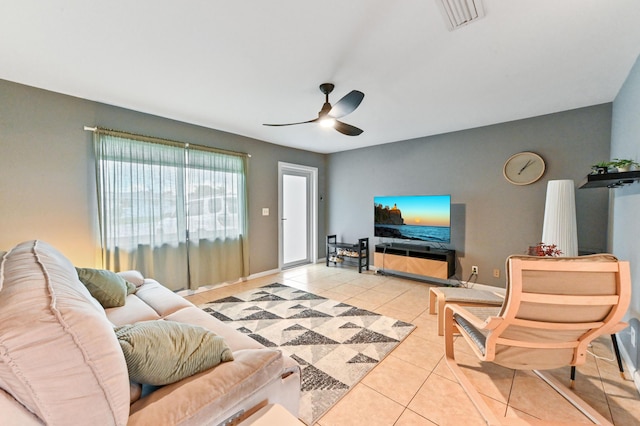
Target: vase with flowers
542 249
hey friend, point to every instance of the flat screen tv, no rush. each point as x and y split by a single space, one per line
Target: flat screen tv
413 217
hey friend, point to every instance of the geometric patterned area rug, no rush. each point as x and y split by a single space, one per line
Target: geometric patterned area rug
335 344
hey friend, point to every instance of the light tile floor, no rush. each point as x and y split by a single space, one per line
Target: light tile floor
413 385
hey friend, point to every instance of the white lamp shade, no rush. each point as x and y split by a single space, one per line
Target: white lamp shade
559 226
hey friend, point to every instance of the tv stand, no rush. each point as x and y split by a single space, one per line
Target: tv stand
415 259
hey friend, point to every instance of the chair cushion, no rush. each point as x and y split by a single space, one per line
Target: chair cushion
470 295
479 338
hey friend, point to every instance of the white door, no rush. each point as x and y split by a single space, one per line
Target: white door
298 223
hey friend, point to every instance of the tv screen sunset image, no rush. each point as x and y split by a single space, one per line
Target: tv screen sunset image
417 217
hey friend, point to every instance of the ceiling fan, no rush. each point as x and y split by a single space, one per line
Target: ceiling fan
328 115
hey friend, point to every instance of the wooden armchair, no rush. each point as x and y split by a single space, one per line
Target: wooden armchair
554 307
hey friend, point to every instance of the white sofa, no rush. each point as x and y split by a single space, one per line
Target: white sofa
61 363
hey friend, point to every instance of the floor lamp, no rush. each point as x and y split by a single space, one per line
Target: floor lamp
559 226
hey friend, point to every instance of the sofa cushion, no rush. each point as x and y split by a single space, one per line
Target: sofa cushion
52 332
109 288
160 298
134 310
163 352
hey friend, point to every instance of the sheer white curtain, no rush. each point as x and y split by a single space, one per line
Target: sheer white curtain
216 212
175 214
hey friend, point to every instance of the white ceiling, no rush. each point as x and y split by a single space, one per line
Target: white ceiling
233 65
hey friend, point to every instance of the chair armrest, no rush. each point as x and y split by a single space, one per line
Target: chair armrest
619 327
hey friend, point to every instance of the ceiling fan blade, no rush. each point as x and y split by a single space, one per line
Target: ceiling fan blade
293 124
347 129
347 104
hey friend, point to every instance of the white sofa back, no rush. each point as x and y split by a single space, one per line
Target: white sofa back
59 356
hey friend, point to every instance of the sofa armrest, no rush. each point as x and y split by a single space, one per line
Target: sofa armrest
134 277
213 395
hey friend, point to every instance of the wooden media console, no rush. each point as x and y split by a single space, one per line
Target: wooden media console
406 258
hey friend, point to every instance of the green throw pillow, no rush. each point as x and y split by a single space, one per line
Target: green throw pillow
109 288
160 352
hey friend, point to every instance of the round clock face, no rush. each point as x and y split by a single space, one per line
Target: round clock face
523 168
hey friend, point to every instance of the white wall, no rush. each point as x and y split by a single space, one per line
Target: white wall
625 225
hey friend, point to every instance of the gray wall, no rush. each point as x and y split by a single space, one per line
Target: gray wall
625 143
491 218
47 177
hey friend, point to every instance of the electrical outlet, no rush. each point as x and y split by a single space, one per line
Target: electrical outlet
496 273
474 270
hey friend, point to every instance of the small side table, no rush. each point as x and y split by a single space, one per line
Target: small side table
460 296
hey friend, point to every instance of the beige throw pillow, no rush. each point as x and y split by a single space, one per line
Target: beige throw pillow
160 352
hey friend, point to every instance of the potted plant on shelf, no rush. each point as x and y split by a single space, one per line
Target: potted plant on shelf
624 165
601 168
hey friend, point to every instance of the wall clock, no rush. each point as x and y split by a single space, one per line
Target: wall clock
523 168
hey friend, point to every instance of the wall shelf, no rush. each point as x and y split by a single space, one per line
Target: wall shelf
610 180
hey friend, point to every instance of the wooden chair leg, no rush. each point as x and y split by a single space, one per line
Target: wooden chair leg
432 301
616 350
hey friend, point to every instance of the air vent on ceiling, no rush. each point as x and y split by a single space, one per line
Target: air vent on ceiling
458 13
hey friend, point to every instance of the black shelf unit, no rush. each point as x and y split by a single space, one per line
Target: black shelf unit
348 253
610 180
420 252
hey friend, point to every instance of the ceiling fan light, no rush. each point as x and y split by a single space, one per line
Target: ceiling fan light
458 13
327 122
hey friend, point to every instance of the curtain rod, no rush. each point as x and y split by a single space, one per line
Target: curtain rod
162 141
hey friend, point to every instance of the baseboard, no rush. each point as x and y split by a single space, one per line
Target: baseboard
276 271
261 274
204 288
635 375
420 278
440 281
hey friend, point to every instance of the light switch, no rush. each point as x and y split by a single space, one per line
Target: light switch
265 211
